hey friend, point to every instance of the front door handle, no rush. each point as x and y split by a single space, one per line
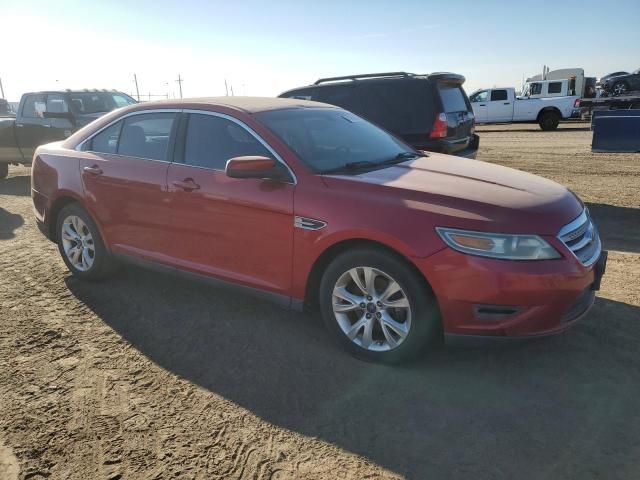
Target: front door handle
93 170
506 103
483 104
188 185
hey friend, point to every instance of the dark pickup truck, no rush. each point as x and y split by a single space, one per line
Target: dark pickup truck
44 117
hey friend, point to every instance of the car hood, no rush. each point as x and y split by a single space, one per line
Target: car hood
456 192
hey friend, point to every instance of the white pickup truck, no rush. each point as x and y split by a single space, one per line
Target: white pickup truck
543 102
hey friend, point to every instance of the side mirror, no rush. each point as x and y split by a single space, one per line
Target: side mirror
255 167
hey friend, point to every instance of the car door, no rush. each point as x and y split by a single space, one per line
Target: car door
499 107
239 230
32 129
479 104
124 175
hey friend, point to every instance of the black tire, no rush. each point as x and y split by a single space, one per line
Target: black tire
103 264
619 88
4 170
425 327
549 121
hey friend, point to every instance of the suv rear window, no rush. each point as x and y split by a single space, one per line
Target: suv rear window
452 98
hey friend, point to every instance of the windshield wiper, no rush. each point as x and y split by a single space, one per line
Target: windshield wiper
363 164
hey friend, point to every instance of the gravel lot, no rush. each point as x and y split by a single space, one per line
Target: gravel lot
151 376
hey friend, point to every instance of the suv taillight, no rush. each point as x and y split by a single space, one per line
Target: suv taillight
440 126
473 126
576 104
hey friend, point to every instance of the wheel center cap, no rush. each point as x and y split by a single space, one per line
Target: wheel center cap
371 307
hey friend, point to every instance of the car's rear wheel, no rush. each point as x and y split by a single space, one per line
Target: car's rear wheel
4 170
377 306
619 88
80 244
549 121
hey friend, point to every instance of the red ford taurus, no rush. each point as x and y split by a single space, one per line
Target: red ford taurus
311 205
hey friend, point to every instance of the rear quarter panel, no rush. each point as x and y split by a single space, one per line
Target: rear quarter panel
55 174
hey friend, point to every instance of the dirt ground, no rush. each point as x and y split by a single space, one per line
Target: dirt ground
150 376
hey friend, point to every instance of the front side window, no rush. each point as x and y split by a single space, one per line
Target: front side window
535 89
479 96
328 139
212 140
34 106
107 140
147 136
497 95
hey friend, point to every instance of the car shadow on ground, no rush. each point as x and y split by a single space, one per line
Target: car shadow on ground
619 227
559 407
9 222
19 185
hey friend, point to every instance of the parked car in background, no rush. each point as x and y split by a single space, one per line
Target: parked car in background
622 84
501 105
609 75
430 112
5 109
309 204
45 117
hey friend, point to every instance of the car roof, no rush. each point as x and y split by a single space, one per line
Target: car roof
244 104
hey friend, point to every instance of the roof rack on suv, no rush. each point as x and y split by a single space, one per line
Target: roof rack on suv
368 75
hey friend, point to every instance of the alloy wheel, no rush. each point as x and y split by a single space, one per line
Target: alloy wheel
619 88
77 243
371 308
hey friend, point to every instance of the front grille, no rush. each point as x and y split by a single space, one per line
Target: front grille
581 237
580 306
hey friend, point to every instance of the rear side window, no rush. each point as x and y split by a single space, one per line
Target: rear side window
452 98
212 140
497 95
57 103
147 136
403 107
107 140
302 94
555 87
340 96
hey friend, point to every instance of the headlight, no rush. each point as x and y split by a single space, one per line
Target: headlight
497 245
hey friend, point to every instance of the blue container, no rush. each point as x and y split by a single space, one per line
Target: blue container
615 131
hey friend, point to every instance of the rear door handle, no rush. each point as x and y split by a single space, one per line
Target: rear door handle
93 170
187 184
506 103
483 104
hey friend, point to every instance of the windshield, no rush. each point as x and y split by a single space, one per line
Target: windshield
328 139
83 103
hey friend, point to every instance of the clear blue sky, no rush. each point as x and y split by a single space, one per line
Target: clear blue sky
263 48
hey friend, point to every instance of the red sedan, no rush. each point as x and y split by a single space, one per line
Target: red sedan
311 205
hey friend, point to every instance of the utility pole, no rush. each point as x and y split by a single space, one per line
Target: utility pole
1 89
135 79
180 80
226 89
232 94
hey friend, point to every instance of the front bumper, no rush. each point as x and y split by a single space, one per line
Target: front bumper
482 297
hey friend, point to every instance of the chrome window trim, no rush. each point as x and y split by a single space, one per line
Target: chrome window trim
240 123
246 127
78 147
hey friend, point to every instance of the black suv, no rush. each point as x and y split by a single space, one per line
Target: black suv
430 112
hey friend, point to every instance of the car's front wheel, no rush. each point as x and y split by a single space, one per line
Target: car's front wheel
80 244
378 306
